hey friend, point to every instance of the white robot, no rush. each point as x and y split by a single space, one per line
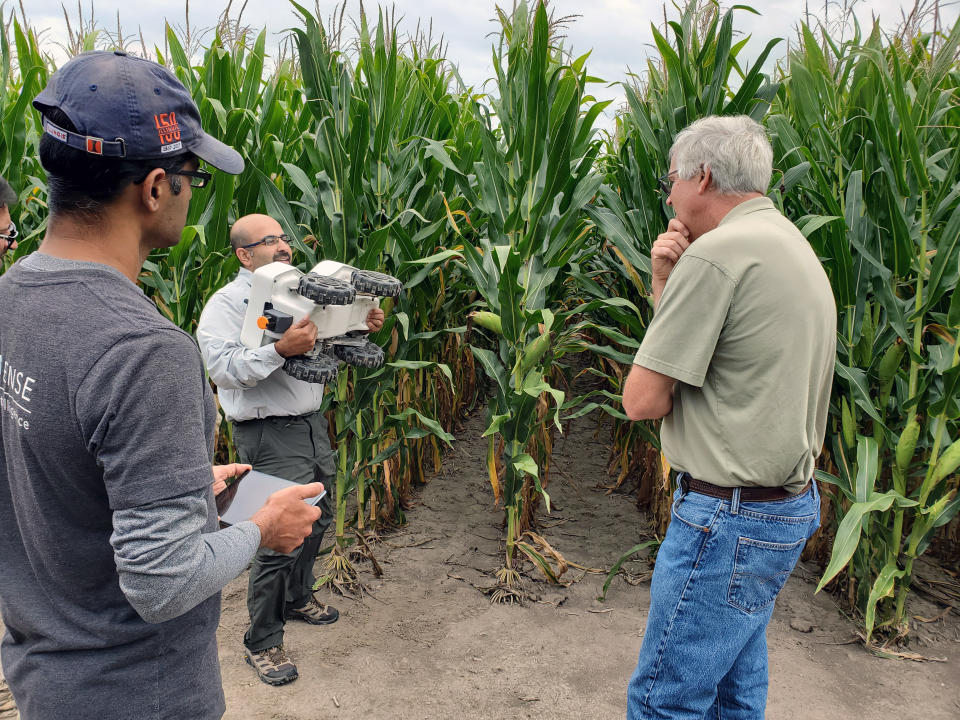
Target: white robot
336 297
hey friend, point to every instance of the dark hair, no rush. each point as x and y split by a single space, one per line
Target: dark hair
8 198
79 183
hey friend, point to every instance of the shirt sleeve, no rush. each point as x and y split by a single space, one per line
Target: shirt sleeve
230 364
683 334
167 565
141 410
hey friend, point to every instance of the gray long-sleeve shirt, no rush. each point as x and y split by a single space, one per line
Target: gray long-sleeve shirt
166 564
250 381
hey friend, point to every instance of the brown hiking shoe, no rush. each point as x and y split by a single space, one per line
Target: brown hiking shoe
272 665
8 708
314 612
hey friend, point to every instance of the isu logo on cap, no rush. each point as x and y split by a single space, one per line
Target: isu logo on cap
95 145
167 128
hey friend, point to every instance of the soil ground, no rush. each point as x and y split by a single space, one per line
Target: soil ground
424 643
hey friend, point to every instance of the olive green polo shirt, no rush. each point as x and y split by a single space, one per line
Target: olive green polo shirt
746 324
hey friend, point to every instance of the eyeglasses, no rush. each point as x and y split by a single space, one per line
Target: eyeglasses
665 182
9 236
268 240
198 178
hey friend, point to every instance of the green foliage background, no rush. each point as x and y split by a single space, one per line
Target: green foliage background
522 235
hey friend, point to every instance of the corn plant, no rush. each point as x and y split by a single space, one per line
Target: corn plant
24 70
268 121
508 208
525 182
374 198
867 131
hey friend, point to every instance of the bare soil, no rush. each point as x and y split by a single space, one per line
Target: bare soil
425 643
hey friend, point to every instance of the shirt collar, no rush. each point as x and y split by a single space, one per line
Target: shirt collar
753 205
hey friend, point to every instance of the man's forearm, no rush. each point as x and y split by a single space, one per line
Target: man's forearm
167 565
656 287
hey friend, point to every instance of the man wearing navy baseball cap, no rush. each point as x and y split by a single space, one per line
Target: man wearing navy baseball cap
112 564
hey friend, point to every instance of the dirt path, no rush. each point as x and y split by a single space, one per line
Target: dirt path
427 645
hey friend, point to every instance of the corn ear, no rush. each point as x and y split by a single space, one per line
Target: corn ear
878 436
867 335
899 480
492 467
533 352
907 443
948 463
848 424
488 321
887 371
890 361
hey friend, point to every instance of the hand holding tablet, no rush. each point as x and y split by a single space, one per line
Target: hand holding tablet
284 511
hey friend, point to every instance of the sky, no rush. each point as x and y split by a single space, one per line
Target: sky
616 32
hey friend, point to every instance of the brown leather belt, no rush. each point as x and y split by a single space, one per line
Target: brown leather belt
747 494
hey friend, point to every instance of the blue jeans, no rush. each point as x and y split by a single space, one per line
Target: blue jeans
718 572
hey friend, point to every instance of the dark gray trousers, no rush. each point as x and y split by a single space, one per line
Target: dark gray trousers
297 449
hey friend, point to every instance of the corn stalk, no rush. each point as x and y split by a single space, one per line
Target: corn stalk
866 132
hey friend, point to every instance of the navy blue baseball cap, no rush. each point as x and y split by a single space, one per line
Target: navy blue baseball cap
128 107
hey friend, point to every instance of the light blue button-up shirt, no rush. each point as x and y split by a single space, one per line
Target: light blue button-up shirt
250 382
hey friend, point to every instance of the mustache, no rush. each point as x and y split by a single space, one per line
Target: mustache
281 255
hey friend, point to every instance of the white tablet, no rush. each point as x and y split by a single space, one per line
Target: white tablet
246 495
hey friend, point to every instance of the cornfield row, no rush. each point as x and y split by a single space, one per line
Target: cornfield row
522 235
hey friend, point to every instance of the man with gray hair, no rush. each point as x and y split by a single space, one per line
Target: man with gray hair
738 361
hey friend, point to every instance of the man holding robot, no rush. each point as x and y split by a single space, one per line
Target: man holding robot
279 429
